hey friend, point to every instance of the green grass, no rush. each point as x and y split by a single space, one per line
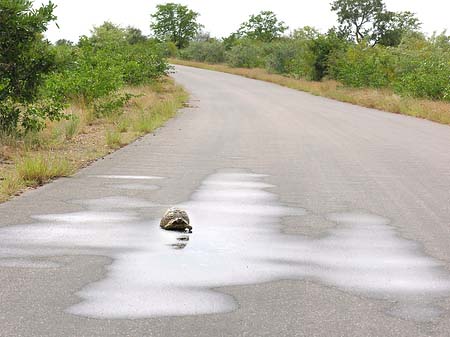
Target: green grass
35 170
71 127
113 139
152 118
10 185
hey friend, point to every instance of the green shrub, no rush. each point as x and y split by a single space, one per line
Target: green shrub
246 54
281 56
423 73
94 74
21 118
99 66
112 105
362 66
209 51
25 58
291 57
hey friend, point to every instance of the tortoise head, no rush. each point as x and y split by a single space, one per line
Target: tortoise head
179 224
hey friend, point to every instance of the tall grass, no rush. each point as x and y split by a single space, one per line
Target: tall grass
113 139
71 127
154 117
38 169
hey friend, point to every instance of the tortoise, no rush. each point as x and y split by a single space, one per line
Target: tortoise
176 219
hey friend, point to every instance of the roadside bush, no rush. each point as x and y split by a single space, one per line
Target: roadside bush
208 51
323 49
92 75
281 57
306 54
246 54
25 58
362 66
99 66
423 73
143 63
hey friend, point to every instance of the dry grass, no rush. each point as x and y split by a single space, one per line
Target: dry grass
63 147
385 100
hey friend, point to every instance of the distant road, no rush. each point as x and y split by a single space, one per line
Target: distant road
311 218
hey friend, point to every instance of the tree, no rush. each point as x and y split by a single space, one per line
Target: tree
175 23
394 26
108 35
134 35
25 57
264 27
64 42
369 20
24 54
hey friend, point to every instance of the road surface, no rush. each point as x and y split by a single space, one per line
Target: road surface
311 218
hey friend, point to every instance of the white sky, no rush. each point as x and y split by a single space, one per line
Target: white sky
221 18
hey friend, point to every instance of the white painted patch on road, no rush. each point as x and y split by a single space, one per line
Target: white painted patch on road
237 240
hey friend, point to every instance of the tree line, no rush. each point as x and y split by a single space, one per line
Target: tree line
369 47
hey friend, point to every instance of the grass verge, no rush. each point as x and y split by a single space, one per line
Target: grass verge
382 99
64 147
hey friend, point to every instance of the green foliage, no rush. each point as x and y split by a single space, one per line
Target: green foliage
368 20
307 54
423 73
36 114
134 35
112 105
92 75
210 52
324 48
264 27
357 17
169 49
9 116
246 54
24 54
291 57
36 170
362 66
103 63
176 23
394 26
25 57
420 68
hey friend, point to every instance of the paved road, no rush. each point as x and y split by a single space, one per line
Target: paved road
311 218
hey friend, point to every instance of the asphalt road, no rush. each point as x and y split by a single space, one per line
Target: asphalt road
311 218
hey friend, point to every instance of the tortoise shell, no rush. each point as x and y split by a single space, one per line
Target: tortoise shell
176 219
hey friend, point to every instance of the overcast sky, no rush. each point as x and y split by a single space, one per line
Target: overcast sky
221 18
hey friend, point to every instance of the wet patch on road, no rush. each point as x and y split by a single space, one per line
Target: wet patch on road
237 240
127 177
136 187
